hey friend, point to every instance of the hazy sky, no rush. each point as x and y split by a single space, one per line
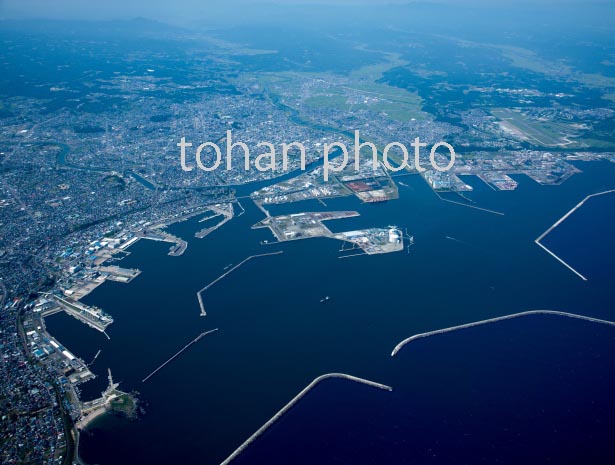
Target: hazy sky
174 10
159 9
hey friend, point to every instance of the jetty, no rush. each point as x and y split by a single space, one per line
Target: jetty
294 401
225 274
467 205
243 210
178 353
399 346
560 221
94 317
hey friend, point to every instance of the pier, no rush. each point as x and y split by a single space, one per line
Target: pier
399 346
560 221
294 401
228 214
94 408
122 275
51 311
95 357
243 210
154 232
178 353
186 215
261 208
469 206
91 316
179 245
208 217
223 275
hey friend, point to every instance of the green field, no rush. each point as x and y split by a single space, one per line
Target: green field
353 92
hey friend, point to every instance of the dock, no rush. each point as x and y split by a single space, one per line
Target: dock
179 245
303 225
186 215
91 316
228 214
121 275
